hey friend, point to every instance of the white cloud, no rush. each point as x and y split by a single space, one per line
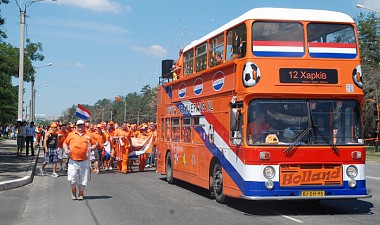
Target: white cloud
96 5
80 65
156 51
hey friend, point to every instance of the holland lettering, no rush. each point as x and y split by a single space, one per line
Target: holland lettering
309 176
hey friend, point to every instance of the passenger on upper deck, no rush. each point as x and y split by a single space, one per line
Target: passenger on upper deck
177 67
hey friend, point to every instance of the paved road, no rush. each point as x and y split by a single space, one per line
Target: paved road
145 198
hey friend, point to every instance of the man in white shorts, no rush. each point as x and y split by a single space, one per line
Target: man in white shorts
80 143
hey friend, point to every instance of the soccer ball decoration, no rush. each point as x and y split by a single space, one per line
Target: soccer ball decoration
357 76
251 74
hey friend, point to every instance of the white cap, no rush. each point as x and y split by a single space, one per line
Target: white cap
80 122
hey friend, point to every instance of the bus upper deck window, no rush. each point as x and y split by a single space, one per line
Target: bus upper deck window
200 60
237 42
216 50
277 39
331 41
188 62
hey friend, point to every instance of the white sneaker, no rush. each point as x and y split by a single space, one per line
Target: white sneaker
41 173
110 168
54 175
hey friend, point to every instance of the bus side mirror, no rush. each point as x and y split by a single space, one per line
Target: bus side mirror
235 121
235 126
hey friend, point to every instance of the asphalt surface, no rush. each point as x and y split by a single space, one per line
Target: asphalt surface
15 171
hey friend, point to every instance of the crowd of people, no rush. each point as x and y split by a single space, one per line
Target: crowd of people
81 147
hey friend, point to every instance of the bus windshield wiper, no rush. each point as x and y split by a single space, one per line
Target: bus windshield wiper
299 137
317 130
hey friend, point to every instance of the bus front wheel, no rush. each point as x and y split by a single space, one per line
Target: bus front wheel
217 178
169 168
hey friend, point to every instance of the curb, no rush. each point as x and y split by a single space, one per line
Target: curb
6 185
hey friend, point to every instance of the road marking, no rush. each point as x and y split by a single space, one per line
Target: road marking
287 217
376 178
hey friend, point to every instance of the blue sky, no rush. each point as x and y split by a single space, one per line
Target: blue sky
105 48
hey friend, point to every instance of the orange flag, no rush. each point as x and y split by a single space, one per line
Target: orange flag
118 99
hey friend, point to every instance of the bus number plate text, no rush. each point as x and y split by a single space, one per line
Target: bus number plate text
313 193
308 76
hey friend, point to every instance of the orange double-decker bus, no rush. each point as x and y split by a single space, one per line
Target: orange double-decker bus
268 106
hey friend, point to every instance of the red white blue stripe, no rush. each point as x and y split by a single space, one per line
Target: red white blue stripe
278 48
82 112
249 177
332 50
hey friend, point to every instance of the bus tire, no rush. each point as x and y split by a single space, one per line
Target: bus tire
217 179
169 168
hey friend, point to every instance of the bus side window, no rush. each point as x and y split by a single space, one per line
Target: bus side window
216 50
237 42
175 129
188 62
200 60
186 129
167 130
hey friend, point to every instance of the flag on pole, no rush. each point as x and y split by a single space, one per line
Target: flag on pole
82 112
118 99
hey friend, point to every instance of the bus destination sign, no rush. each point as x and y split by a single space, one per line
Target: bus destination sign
308 76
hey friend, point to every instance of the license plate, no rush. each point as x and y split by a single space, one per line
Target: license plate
313 193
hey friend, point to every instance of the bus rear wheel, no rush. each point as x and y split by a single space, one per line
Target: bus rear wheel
217 178
169 168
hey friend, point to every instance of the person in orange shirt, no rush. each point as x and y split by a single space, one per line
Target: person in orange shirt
39 130
123 143
257 129
111 132
62 156
99 138
78 144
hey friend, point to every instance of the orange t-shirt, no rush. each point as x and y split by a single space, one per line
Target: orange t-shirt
78 145
125 135
62 138
99 138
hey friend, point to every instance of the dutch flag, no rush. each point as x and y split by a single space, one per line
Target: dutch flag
82 112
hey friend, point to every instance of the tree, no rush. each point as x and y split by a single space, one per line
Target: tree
369 38
8 93
2 21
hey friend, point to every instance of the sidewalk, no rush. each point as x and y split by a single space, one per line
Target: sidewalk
15 171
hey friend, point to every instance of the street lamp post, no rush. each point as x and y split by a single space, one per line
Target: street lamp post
21 61
364 7
33 95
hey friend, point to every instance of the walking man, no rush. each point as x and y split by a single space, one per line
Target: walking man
51 149
30 135
79 142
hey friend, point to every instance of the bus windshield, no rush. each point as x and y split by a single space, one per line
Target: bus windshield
334 122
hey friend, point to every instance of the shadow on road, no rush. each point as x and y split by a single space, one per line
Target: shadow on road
305 207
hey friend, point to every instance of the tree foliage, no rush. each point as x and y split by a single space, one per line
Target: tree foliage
139 108
9 67
369 38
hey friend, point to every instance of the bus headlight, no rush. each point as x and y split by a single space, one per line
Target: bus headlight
352 171
352 183
269 185
269 172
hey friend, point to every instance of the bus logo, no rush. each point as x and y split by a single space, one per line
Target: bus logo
182 90
198 86
218 81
